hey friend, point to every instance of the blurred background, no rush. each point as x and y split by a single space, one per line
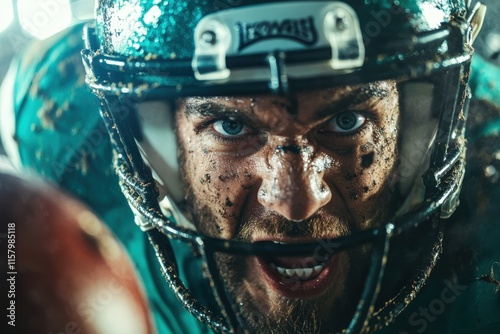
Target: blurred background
21 21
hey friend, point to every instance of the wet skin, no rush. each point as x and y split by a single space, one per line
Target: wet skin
318 165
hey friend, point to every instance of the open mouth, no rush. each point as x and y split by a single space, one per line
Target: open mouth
299 276
304 273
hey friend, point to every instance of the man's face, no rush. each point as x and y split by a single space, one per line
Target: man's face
291 170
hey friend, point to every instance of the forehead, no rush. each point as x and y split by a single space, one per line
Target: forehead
292 104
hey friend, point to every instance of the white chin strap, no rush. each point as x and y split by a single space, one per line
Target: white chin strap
158 148
418 129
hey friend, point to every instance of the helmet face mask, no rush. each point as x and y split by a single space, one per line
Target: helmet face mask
263 106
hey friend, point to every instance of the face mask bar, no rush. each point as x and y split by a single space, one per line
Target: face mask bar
133 187
407 58
442 179
380 237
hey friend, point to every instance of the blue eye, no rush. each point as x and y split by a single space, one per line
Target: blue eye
229 127
347 121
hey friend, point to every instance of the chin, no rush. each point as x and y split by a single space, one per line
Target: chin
269 303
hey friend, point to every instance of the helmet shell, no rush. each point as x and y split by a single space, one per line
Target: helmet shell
165 29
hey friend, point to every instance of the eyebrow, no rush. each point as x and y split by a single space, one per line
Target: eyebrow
217 110
207 109
355 97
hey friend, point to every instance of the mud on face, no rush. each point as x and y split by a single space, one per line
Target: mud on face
314 166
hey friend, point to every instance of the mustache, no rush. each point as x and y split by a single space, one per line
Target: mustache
275 225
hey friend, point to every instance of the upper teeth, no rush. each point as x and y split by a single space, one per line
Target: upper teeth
303 273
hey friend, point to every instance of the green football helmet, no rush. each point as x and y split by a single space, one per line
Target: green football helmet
142 51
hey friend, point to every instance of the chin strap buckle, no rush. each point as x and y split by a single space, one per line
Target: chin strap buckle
212 40
343 32
141 221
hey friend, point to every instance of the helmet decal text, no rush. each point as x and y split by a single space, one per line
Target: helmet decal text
302 30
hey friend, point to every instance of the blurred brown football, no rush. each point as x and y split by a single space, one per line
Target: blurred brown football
70 275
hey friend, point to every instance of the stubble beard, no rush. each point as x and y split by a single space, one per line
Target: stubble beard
328 313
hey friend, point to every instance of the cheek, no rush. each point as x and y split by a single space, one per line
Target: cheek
375 160
365 173
225 191
219 187
218 183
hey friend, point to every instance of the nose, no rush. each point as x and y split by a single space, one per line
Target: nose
292 185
